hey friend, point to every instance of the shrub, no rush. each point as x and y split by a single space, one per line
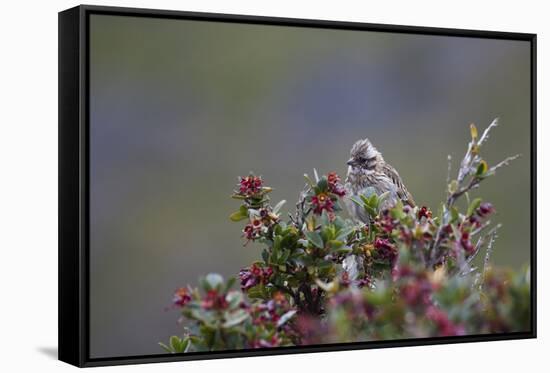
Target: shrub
323 278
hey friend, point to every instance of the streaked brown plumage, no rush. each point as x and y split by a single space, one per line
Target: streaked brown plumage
367 169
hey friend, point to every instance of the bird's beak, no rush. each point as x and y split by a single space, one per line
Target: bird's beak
351 162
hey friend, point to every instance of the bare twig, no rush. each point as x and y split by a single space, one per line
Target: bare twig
482 228
469 177
489 250
485 134
503 163
480 242
470 259
449 159
486 260
300 215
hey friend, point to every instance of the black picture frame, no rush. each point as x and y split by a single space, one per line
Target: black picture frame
74 183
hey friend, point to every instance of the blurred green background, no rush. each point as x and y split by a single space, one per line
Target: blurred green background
180 108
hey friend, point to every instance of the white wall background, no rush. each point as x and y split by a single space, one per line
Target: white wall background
28 184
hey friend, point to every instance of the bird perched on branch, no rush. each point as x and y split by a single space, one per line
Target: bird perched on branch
367 173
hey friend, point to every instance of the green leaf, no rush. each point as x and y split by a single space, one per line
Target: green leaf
324 264
365 199
239 215
340 223
372 212
230 282
454 214
234 298
235 318
303 242
168 349
177 344
473 206
324 218
277 242
482 168
266 190
397 211
335 244
345 232
328 232
356 201
323 184
453 186
315 239
373 200
200 315
284 256
473 132
186 343
343 250
278 206
214 280
257 291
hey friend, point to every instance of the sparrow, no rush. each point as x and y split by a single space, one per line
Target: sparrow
368 172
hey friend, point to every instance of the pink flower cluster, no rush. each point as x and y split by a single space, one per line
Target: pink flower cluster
250 277
385 249
334 184
269 313
320 202
252 230
325 198
250 186
182 296
444 326
214 300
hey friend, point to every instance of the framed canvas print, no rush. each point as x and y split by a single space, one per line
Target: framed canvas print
236 186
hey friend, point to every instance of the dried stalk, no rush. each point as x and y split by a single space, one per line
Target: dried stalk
486 261
467 179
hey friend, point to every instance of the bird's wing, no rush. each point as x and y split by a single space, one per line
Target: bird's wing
402 191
